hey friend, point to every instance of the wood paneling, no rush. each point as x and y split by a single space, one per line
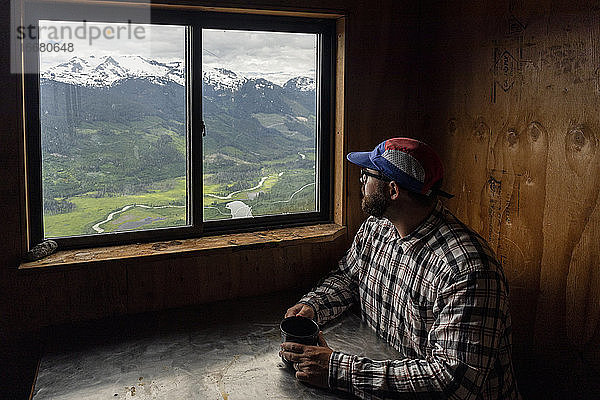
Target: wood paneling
96 290
513 105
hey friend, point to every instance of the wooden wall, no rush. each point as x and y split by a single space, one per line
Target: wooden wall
510 96
376 100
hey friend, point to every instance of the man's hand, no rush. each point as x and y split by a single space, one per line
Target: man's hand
310 362
300 310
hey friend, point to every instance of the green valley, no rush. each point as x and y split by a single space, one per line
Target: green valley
114 158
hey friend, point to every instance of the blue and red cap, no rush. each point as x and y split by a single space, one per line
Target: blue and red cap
412 164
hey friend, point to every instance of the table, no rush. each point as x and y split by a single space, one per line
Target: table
222 351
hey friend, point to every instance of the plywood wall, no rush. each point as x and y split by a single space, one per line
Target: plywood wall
511 98
68 294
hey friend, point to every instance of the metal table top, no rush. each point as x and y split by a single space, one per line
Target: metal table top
221 351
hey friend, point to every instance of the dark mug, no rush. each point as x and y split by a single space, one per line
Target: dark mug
299 330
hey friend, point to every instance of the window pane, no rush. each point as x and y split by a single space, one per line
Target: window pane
113 128
260 111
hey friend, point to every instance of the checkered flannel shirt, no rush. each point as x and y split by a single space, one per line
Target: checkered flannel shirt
438 296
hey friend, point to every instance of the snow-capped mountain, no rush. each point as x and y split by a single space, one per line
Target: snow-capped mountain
223 79
107 71
301 83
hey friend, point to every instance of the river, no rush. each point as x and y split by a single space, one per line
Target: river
112 214
237 208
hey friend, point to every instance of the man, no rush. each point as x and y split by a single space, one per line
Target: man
424 282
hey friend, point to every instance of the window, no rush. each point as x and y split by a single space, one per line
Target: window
174 124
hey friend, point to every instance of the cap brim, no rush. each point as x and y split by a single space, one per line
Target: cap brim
361 158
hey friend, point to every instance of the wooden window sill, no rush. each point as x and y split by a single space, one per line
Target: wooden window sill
192 247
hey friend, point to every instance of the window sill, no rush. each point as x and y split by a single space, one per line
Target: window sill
192 247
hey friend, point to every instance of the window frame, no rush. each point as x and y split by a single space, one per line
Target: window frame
195 20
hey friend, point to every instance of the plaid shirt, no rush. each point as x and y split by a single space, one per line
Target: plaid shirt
439 296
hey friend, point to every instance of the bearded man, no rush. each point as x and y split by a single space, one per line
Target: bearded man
424 282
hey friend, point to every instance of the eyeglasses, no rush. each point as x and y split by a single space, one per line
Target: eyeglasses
364 173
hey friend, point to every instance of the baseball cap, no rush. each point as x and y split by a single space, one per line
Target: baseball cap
412 164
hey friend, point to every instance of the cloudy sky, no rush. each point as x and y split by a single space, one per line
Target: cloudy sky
274 56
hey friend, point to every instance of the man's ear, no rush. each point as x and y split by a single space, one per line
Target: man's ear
393 190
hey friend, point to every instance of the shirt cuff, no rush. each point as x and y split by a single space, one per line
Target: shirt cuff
340 371
309 302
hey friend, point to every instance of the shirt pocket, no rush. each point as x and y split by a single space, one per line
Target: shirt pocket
419 319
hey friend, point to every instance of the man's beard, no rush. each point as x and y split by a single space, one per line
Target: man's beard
375 204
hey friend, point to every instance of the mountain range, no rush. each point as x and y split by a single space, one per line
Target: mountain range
108 71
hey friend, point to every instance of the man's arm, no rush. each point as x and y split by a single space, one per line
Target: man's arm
339 290
463 345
